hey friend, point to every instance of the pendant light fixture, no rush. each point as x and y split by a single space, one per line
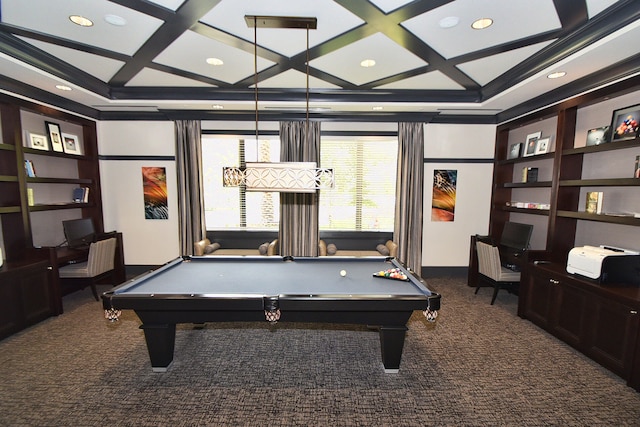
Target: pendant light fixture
298 177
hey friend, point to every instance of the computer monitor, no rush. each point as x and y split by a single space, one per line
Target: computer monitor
516 235
79 232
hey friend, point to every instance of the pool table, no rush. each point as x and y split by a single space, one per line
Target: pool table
258 288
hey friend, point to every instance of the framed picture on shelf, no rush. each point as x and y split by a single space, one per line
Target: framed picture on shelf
598 136
71 144
542 146
55 138
514 150
37 141
530 144
625 123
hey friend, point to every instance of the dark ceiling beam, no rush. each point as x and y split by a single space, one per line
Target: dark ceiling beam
184 18
624 71
572 13
389 25
48 98
29 54
607 22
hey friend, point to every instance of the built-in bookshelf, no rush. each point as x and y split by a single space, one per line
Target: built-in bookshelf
600 320
34 200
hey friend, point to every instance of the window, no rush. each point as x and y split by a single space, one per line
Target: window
229 208
363 198
365 184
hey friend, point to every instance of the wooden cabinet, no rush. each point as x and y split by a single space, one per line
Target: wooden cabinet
600 321
26 295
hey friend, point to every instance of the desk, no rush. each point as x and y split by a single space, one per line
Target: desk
233 289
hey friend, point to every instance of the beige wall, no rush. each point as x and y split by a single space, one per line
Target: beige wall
148 242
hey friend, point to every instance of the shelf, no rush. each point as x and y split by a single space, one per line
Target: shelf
8 147
8 178
610 182
544 212
9 209
538 184
525 159
609 146
28 150
613 219
39 180
58 206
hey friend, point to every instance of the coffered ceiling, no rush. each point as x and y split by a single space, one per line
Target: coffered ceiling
148 58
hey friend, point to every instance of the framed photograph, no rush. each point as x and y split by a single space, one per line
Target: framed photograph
598 136
514 151
530 144
55 138
71 144
542 146
625 123
38 142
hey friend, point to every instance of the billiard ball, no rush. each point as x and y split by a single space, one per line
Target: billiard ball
343 273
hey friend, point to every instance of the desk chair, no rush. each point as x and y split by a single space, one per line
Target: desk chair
492 271
99 264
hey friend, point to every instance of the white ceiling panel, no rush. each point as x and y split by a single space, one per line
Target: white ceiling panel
487 69
332 18
98 66
507 24
190 51
48 17
345 63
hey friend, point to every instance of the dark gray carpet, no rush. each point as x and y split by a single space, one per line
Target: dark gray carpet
479 365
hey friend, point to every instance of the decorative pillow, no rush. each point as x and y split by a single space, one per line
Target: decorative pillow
263 248
209 249
382 249
331 249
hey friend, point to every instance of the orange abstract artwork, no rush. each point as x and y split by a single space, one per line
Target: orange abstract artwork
154 184
443 206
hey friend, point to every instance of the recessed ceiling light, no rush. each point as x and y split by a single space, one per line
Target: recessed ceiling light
449 21
367 63
63 87
482 23
214 61
116 20
557 75
81 20
217 107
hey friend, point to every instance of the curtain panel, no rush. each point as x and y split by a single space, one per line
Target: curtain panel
189 171
409 194
299 235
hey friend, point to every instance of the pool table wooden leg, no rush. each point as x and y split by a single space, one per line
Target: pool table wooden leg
391 344
160 344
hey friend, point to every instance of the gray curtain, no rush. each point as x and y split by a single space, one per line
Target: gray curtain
409 194
299 235
189 171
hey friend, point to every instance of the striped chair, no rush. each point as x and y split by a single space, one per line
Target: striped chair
492 271
100 264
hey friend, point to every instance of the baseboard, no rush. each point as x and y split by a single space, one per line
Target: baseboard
430 272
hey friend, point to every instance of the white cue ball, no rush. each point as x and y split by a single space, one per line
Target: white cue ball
343 273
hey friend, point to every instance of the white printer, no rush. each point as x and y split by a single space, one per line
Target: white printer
606 263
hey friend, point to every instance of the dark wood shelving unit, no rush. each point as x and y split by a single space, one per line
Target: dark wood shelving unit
600 320
29 283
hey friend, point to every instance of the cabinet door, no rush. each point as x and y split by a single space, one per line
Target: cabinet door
539 292
36 293
612 335
10 312
569 313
